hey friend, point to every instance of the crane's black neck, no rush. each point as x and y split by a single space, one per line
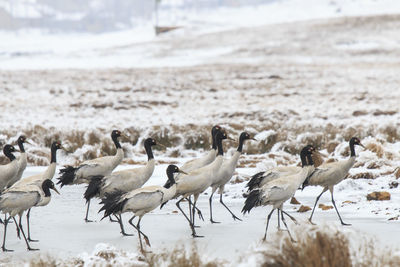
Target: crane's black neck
53 154
21 146
214 144
9 154
240 146
219 146
303 158
352 150
170 174
116 142
149 151
46 189
310 160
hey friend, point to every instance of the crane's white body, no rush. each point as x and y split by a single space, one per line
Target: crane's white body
200 162
278 191
330 174
37 179
143 200
22 162
276 173
197 181
17 200
8 173
99 166
225 172
33 181
127 180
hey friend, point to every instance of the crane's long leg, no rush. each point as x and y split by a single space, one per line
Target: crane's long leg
316 201
279 221
198 211
187 218
28 214
333 201
284 222
26 241
210 201
111 219
266 228
223 204
121 225
195 197
18 232
5 222
290 216
87 212
16 225
140 232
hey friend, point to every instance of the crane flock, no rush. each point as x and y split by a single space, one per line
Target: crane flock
124 191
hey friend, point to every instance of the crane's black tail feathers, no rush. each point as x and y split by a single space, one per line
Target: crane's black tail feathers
112 203
67 175
255 181
93 188
252 200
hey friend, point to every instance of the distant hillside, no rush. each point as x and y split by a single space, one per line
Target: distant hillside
97 15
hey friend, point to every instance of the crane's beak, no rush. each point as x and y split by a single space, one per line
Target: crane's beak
29 142
55 189
183 172
230 138
253 139
17 150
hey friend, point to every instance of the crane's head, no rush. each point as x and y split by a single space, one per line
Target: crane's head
21 139
7 149
57 145
356 141
116 134
47 185
150 142
245 136
215 129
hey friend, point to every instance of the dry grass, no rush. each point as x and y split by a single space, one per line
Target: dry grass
179 257
325 247
317 248
376 148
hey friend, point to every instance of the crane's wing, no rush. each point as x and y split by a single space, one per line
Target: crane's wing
144 201
21 200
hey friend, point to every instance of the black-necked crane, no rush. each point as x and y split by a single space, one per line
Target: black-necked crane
15 202
22 161
197 181
261 178
125 180
9 170
225 173
140 201
330 174
278 191
92 168
206 159
197 163
37 179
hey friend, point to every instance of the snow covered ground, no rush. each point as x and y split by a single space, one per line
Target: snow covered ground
288 74
63 233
